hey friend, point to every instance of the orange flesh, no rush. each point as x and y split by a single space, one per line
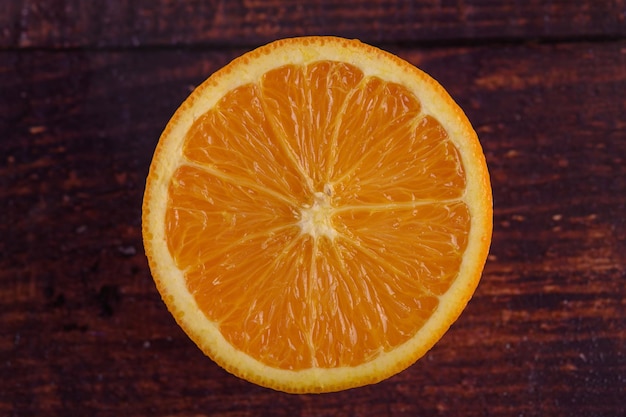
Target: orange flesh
323 238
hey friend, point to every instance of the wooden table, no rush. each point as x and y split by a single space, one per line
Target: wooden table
86 88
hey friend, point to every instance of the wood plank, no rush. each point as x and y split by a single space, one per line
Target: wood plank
84 331
98 23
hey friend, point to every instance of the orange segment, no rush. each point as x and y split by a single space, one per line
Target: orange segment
377 111
236 138
317 215
420 164
302 103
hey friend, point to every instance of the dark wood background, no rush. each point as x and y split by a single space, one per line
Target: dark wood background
86 88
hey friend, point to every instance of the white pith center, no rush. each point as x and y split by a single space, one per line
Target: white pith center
315 219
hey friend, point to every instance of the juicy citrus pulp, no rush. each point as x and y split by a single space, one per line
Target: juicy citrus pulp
317 214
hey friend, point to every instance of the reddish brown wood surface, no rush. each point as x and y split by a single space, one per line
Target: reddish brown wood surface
125 23
84 331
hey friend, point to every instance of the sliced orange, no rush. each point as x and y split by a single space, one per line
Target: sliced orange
317 214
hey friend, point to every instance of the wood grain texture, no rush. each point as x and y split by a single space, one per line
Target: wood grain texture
85 333
85 89
126 23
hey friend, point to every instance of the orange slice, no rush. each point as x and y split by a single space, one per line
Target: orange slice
317 214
